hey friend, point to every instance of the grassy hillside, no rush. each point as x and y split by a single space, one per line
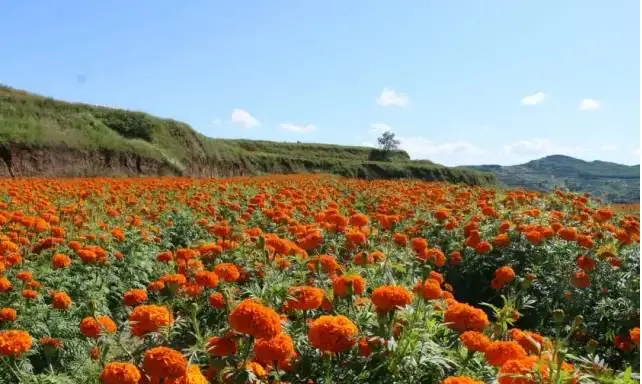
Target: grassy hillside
613 182
29 121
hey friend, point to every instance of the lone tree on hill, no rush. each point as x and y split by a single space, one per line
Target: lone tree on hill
387 141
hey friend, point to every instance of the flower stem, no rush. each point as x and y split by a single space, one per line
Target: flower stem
327 360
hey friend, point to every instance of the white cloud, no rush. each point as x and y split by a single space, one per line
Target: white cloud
244 119
608 148
529 147
534 99
636 152
298 128
588 104
419 147
540 147
379 128
390 98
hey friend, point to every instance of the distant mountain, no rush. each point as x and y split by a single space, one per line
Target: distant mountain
615 183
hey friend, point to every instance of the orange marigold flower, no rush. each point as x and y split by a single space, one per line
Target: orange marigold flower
107 323
526 370
365 349
615 262
221 346
463 317
498 353
135 297
436 276
455 258
165 256
441 214
461 380
603 214
501 240
50 342
192 376
418 244
432 254
8 314
176 279
305 298
483 247
87 255
474 341
120 373
92 327
60 260
355 237
146 319
255 319
29 294
155 286
363 258
585 241
431 290
60 300
534 237
164 363
377 256
622 343
586 263
332 333
277 349
389 297
14 342
227 272
359 220
580 279
531 342
348 284
206 279
256 368
217 300
503 276
192 290
400 239
568 233
327 263
24 276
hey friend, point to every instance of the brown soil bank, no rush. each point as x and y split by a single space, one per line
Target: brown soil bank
21 161
60 161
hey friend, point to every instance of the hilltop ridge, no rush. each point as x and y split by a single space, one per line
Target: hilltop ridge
612 182
42 136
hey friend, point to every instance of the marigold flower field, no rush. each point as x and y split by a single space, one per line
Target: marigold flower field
313 279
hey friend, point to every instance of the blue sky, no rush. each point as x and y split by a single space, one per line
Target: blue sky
460 82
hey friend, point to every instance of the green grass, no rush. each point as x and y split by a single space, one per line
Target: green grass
29 120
